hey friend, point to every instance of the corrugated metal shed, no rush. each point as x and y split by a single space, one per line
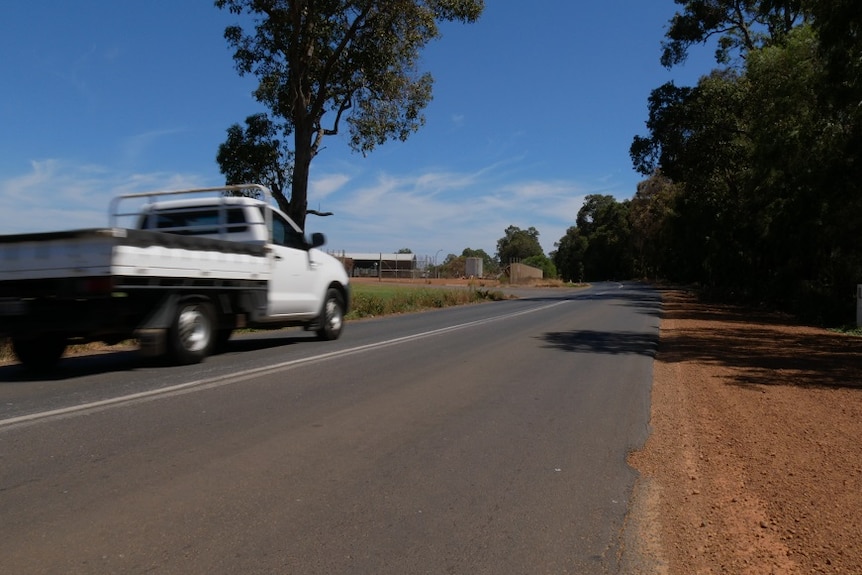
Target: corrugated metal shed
381 264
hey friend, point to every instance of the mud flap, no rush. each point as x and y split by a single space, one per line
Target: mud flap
152 342
152 333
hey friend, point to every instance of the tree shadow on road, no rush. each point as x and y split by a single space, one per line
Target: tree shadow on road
758 348
613 343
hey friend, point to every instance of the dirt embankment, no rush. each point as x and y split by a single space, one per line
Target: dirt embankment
754 464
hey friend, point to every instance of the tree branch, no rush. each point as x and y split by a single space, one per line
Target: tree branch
348 37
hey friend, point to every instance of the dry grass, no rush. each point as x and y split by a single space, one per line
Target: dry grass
6 354
377 299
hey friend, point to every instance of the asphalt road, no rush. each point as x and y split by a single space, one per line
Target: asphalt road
487 439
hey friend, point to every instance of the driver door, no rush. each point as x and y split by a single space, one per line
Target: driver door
291 288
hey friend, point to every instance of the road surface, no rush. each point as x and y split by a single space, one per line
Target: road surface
485 439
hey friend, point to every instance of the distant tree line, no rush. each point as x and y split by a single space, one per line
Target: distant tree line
516 245
753 175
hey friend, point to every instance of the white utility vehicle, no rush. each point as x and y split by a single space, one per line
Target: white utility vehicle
180 279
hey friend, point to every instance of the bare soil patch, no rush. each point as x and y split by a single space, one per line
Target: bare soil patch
754 463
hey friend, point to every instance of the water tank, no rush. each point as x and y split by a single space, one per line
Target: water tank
474 267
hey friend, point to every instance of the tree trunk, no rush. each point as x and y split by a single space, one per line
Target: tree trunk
301 169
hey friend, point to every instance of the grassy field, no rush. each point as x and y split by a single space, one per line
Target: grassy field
369 300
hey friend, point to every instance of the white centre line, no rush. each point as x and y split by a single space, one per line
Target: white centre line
229 379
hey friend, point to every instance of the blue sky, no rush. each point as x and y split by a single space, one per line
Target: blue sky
535 107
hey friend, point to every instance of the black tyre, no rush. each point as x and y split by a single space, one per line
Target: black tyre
39 353
331 316
192 335
221 339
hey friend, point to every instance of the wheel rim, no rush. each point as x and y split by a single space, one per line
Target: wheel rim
333 315
193 329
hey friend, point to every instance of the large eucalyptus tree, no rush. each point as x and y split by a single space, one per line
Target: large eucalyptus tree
323 63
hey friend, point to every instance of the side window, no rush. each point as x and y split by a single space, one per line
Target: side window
284 234
278 231
236 220
196 221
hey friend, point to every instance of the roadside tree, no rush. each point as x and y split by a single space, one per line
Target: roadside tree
652 215
453 266
321 63
256 154
544 263
518 244
738 27
569 255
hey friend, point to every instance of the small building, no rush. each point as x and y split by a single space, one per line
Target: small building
382 265
522 273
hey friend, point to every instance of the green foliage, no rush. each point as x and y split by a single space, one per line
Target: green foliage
651 213
603 225
755 173
838 24
321 64
849 330
601 245
544 263
569 255
518 244
256 154
739 27
453 267
456 266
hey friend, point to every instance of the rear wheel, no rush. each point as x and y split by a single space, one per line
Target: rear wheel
192 334
331 316
39 353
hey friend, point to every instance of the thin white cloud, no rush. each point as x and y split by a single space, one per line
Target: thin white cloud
433 210
426 211
55 195
438 182
559 200
327 185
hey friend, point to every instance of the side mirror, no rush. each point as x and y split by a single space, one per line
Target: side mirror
317 240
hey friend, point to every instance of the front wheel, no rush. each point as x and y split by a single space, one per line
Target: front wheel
192 333
331 316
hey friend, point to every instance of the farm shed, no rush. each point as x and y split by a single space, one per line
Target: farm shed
381 265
